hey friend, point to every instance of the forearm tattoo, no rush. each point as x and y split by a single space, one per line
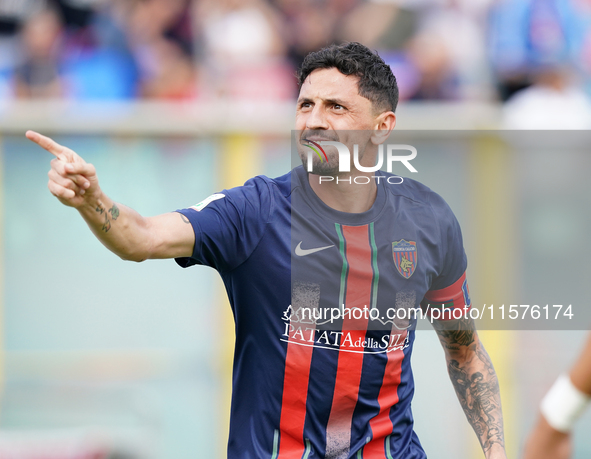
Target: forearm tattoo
114 211
475 381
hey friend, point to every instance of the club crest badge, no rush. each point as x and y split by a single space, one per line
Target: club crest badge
405 257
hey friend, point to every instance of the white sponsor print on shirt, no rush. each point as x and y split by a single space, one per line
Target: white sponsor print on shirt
203 204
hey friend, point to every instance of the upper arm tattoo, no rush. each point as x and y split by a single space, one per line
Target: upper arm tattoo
185 219
455 333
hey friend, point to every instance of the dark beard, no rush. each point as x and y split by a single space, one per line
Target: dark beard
319 166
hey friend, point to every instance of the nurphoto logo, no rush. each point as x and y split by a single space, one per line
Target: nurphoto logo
345 160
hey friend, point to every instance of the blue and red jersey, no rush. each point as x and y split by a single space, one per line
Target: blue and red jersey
322 302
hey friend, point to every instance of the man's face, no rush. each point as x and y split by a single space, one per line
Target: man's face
329 107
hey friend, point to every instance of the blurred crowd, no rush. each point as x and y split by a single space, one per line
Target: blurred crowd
464 50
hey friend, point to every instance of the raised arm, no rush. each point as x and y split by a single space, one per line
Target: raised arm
475 382
122 230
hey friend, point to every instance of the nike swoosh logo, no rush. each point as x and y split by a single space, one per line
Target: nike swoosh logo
303 252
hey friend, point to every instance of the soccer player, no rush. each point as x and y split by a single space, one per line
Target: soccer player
560 408
295 252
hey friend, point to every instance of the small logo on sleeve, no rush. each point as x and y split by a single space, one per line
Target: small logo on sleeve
203 204
405 257
466 292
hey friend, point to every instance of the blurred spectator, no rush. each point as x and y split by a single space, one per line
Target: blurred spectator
457 28
95 59
66 53
392 25
435 78
435 47
526 34
244 54
12 16
38 73
554 101
313 24
161 38
182 49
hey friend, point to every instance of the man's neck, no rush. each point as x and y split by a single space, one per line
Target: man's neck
344 194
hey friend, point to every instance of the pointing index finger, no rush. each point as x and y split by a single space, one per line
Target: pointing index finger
48 144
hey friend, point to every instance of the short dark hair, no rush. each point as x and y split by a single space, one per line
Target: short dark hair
376 80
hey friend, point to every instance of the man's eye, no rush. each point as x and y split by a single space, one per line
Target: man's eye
338 107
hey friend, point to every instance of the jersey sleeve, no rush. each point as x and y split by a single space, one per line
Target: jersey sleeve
449 288
229 225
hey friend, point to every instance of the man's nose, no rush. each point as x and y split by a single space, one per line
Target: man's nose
317 118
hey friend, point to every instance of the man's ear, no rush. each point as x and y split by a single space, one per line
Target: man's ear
384 124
